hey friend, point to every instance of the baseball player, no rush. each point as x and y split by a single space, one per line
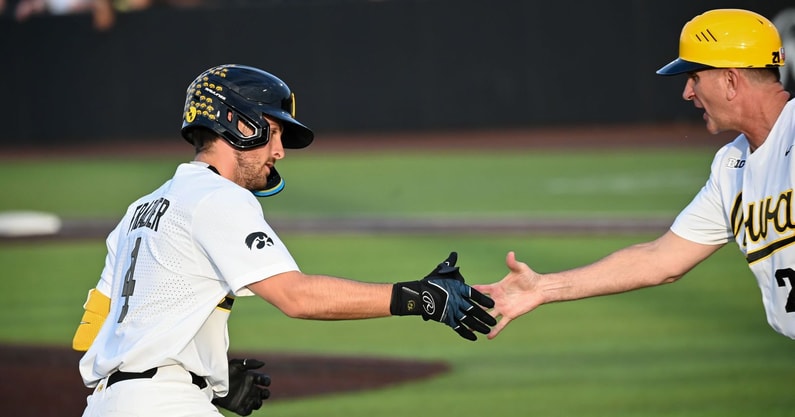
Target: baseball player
731 58
155 326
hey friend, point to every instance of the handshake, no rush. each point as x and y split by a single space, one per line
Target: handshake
444 297
440 296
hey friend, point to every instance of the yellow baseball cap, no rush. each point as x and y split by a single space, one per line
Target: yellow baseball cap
727 38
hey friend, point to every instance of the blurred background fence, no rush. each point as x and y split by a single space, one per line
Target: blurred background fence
355 65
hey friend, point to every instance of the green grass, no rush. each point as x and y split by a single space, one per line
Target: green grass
700 347
80 188
519 183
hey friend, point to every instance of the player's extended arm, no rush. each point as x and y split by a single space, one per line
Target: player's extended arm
441 296
97 307
661 261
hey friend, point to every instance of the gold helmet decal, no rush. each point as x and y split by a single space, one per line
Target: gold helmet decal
200 104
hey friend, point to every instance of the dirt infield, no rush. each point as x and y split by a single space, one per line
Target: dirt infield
43 381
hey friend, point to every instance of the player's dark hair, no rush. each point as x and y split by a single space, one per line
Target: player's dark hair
202 138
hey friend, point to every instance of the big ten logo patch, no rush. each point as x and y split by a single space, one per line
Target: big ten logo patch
735 163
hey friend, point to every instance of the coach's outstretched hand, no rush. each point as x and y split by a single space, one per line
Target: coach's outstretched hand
247 387
444 297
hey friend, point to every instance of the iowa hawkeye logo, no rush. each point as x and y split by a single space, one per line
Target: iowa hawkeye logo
258 239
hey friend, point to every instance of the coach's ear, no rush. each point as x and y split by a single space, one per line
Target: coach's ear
97 307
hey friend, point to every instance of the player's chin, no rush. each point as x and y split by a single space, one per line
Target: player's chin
258 183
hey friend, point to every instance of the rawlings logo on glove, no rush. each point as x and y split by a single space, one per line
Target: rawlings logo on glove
445 298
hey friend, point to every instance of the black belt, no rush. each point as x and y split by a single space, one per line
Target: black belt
148 374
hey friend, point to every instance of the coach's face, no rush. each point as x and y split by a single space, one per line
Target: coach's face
254 165
713 91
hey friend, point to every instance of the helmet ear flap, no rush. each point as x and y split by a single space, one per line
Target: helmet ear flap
243 126
242 132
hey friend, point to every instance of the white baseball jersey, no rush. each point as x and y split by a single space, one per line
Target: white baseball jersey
174 263
749 197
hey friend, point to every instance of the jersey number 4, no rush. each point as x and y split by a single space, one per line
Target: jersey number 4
129 282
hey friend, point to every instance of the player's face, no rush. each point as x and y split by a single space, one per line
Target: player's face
254 165
706 90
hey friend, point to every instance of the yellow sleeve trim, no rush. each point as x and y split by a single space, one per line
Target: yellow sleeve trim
97 307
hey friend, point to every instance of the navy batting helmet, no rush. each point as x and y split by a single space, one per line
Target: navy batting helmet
221 96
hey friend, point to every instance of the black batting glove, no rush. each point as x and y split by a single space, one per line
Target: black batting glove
247 388
444 297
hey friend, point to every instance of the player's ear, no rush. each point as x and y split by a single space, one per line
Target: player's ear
244 127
